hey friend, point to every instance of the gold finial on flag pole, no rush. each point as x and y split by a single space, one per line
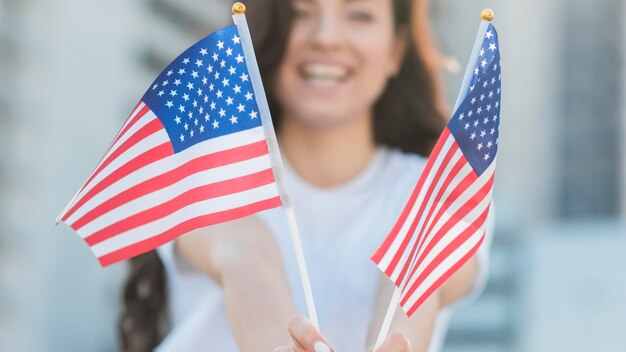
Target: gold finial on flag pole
487 15
239 8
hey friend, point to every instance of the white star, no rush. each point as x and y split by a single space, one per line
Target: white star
488 107
462 116
217 75
480 146
239 58
488 35
473 136
237 89
225 82
483 63
203 52
201 111
205 80
219 93
165 83
169 104
232 70
195 104
476 70
186 97
177 82
482 133
244 77
215 56
207 117
161 93
177 119
229 101
486 157
236 39
222 112
181 71
229 52
210 68
211 87
476 123
182 138
181 108
249 96
490 94
489 144
212 105
467 125
206 98
241 108
253 115
186 61
191 133
222 64
485 84
492 46
482 97
479 110
473 100
233 120
201 128
220 44
190 115
482 52
194 74
199 63
195 122
186 126
199 91
155 86
493 130
190 85
470 113
169 73
216 124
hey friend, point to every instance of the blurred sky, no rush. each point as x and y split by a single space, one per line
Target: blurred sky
71 71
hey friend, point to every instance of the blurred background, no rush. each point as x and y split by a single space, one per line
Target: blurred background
72 70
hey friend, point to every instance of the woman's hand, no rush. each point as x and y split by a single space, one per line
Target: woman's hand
395 342
306 338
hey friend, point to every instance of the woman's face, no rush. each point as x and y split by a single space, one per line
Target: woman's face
339 56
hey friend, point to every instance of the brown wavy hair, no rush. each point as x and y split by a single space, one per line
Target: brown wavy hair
409 116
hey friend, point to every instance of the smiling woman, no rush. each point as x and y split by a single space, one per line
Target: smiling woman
355 97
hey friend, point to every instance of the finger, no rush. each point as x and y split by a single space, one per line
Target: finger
395 342
305 336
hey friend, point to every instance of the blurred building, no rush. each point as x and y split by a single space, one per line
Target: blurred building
71 70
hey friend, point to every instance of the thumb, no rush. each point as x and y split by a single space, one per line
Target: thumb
395 342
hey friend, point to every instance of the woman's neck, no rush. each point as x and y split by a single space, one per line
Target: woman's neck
327 156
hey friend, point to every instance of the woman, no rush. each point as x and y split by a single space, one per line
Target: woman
356 103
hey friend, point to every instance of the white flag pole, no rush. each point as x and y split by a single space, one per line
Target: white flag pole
486 16
277 163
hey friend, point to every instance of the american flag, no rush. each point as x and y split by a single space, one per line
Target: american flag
192 153
443 222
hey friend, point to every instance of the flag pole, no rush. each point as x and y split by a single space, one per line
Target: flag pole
487 16
239 18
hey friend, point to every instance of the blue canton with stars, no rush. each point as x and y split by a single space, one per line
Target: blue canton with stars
206 92
475 124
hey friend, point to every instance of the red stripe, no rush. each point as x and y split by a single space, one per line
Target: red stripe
137 117
421 235
427 200
147 130
156 183
384 247
445 253
445 277
453 220
198 194
185 227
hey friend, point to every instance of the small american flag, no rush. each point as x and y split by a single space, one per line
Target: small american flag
192 153
443 223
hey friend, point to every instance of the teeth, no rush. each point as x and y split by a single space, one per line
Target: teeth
325 72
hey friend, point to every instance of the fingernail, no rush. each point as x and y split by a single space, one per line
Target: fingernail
321 347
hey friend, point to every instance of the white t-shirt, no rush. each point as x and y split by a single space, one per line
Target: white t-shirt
340 228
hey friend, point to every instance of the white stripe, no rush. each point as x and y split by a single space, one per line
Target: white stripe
402 233
465 170
144 120
163 195
162 166
210 206
138 149
448 263
429 204
468 194
447 238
